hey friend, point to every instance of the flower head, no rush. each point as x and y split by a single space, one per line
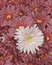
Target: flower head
28 39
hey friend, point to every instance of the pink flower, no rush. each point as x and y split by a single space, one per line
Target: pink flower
15 13
2 3
48 6
8 16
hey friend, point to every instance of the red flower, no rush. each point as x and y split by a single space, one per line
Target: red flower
48 6
15 13
2 3
48 37
8 16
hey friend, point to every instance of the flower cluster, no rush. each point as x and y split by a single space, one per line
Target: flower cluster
25 32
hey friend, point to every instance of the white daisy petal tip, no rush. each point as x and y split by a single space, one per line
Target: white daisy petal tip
29 39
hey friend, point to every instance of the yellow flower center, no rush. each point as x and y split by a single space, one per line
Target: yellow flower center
39 21
36 9
48 38
29 39
21 14
11 57
9 17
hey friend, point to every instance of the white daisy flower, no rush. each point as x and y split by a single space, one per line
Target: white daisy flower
28 39
2 38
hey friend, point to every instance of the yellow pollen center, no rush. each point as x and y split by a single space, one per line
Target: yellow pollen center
11 57
39 21
36 9
29 39
48 38
9 17
20 13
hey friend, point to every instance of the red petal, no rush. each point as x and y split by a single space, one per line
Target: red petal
21 24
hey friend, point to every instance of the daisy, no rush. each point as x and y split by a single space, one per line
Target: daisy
29 39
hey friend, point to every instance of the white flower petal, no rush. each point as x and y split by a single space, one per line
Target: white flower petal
28 39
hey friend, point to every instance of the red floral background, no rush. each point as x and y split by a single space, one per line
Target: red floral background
15 13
